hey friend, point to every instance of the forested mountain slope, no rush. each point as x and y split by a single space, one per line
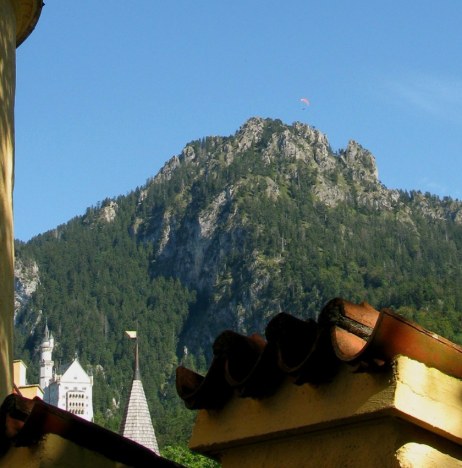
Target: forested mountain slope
230 232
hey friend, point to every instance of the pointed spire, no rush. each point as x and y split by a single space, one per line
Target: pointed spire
136 424
47 332
136 373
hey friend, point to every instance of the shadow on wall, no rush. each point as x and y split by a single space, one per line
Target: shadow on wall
7 91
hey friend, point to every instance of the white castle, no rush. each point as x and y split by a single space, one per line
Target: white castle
71 390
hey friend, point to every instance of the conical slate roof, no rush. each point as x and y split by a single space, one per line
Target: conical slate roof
137 424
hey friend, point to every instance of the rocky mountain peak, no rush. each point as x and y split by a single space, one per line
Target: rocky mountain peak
288 153
250 133
361 161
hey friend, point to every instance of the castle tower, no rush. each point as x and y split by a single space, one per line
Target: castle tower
70 387
137 424
46 361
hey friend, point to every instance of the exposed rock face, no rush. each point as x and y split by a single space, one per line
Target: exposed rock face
249 134
448 209
27 279
108 212
208 218
361 163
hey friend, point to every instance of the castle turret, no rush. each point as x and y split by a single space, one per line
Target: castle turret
46 361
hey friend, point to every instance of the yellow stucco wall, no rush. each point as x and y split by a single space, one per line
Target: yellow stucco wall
20 380
7 90
53 451
17 19
381 442
406 415
19 372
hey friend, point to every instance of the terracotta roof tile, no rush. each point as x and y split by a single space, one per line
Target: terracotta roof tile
311 351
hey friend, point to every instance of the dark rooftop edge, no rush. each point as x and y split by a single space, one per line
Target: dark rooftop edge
309 351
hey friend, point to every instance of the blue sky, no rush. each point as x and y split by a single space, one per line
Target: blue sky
107 92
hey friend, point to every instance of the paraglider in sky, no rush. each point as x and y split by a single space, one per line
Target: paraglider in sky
305 101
